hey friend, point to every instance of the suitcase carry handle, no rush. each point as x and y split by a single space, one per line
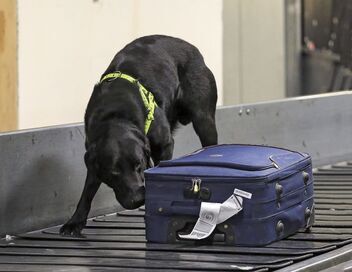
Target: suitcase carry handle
213 214
182 225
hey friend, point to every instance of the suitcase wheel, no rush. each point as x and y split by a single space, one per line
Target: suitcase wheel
307 213
280 227
305 177
279 190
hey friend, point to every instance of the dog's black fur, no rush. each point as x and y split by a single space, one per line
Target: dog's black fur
118 151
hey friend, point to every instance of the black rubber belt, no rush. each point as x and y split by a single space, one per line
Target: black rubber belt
117 242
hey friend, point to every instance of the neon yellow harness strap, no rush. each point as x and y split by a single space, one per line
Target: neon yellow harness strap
147 97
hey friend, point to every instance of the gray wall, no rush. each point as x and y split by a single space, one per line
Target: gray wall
293 47
261 50
253 51
42 171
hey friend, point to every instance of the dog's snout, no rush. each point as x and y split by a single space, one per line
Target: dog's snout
139 197
141 190
133 199
136 203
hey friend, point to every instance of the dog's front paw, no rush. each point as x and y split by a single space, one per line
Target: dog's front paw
72 229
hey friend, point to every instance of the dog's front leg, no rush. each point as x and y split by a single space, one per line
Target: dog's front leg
77 222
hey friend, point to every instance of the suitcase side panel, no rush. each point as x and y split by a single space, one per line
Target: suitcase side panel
278 226
255 232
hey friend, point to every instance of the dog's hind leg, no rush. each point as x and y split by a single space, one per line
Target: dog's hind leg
198 102
204 126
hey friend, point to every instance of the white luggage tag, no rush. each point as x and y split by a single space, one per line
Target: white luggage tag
212 214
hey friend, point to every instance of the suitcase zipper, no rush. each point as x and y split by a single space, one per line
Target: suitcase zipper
266 178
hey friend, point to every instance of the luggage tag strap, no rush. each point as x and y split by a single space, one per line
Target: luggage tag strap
212 214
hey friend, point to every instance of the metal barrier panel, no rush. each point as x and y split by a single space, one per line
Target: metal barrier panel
42 170
42 174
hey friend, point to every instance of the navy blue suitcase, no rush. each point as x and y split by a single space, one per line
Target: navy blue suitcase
236 194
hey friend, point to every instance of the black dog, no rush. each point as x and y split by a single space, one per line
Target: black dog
119 144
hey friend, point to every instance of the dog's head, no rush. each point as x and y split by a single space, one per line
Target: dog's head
119 160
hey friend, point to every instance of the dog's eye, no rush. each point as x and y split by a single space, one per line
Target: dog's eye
115 172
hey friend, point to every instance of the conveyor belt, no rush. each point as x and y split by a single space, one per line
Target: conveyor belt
117 242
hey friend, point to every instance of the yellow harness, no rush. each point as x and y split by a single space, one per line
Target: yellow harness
147 97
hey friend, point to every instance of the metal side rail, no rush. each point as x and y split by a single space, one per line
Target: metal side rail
116 242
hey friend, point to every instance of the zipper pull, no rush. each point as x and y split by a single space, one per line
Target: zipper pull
273 163
196 188
196 185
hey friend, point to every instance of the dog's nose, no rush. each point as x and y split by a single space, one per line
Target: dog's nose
139 197
134 199
137 203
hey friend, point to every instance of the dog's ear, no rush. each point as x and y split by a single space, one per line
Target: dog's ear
147 149
147 154
143 141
